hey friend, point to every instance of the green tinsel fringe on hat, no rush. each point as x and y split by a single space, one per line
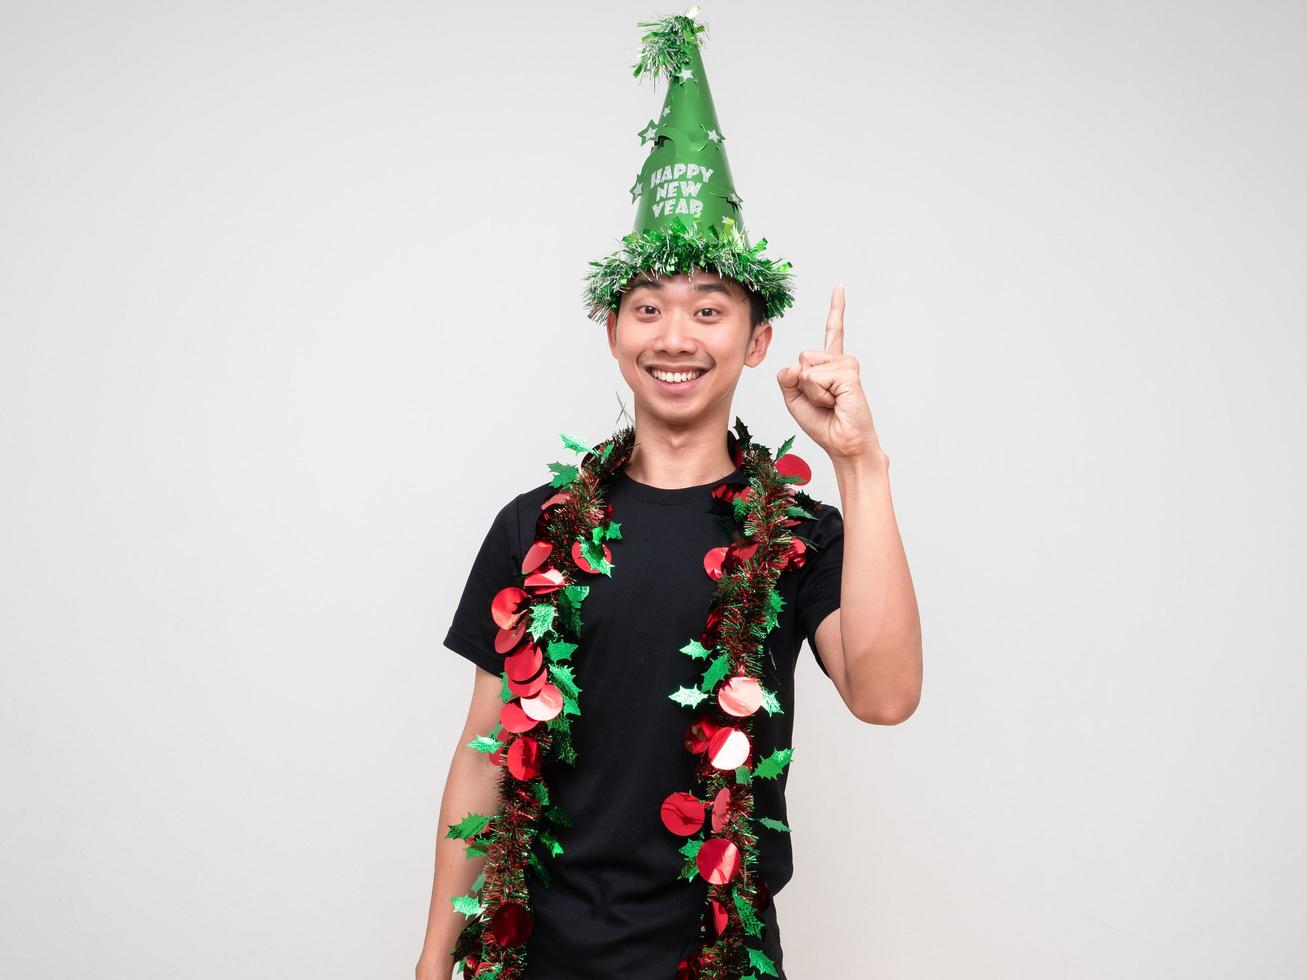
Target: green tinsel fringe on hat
682 249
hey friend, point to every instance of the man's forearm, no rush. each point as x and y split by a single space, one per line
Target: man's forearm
880 627
471 787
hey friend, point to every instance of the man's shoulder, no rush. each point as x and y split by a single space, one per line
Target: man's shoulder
525 506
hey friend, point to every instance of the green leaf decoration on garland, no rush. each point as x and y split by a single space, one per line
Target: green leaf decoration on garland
542 619
687 697
469 905
564 474
505 694
748 914
569 608
717 670
575 594
613 531
533 859
575 444
770 767
485 743
794 511
784 447
469 826
564 679
558 815
570 707
690 850
770 703
742 774
761 962
593 553
695 649
774 824
551 843
559 650
566 751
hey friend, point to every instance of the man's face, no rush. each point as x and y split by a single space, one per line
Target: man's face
698 327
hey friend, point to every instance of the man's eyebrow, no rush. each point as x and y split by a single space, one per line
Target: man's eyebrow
646 283
710 286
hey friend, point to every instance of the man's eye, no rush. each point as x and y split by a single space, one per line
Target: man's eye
709 310
646 308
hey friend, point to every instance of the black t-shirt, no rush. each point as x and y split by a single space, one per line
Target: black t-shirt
616 906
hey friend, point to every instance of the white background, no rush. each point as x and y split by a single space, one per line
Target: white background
290 296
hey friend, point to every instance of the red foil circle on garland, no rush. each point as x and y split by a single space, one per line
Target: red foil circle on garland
506 640
531 687
729 748
515 720
714 617
545 705
723 807
688 968
719 919
791 465
699 734
682 813
744 552
536 555
712 562
718 860
740 696
557 498
510 924
525 663
581 563
524 758
506 606
542 583
798 552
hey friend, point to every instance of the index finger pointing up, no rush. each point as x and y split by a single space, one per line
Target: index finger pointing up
835 322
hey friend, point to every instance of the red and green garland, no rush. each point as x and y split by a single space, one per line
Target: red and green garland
539 630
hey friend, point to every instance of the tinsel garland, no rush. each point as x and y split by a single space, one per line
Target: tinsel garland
540 628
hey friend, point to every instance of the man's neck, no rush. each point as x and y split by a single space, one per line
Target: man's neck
672 457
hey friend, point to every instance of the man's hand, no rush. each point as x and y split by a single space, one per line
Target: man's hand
823 392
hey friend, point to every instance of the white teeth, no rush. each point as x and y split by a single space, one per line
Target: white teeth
674 377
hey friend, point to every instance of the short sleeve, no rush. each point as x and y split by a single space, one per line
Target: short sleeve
472 631
818 591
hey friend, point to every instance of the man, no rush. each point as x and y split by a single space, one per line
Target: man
617 903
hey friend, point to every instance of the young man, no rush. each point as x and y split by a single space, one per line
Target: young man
618 903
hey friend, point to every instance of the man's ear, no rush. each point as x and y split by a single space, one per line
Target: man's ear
611 329
759 340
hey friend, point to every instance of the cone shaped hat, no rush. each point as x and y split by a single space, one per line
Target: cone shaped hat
689 213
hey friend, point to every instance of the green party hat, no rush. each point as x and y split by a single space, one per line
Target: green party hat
689 213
